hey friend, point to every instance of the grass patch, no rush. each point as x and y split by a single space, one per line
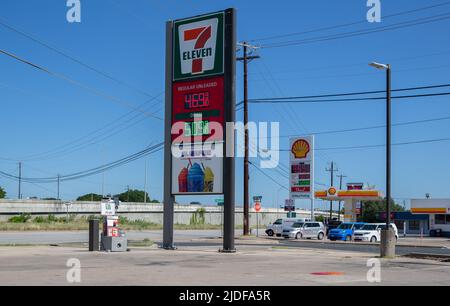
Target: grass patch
71 223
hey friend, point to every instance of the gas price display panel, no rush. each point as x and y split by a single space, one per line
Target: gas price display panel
198 112
199 106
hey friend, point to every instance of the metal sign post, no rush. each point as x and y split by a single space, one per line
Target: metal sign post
230 102
169 199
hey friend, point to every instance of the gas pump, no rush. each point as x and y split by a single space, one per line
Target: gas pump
112 237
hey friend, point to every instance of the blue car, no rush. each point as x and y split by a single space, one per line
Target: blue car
345 231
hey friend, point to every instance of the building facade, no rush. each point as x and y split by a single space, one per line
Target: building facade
438 211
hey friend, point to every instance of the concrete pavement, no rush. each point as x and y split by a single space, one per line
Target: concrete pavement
254 265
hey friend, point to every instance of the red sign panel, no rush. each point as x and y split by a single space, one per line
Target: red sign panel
257 206
301 189
355 186
198 108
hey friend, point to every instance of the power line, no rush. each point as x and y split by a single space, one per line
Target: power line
346 24
150 150
83 142
378 145
395 26
268 176
351 75
79 84
347 100
72 58
353 93
281 100
372 127
347 65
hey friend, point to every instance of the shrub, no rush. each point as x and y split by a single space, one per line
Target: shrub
22 218
198 218
51 218
40 219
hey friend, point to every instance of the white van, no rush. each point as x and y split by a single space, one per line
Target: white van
277 227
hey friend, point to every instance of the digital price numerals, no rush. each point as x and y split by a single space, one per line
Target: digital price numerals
196 100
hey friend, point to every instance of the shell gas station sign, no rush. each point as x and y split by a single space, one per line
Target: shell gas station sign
301 178
351 198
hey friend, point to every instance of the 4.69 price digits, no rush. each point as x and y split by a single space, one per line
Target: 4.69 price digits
196 100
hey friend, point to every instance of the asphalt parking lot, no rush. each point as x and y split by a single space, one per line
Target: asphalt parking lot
254 264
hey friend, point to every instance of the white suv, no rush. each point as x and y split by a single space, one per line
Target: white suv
305 230
371 232
279 225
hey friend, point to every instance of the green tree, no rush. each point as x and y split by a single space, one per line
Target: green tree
2 193
90 197
133 195
320 218
371 210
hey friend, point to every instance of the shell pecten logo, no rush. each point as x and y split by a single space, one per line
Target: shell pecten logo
332 191
300 148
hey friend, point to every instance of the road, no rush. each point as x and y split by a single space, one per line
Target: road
59 237
200 238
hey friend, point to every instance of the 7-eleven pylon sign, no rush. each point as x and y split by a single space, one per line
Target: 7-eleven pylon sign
198 46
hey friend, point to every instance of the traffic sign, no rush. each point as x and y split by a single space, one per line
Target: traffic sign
257 206
289 205
257 198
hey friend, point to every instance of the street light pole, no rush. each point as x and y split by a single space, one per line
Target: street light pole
387 243
388 146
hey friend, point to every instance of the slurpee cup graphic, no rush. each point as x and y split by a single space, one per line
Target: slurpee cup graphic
183 180
195 179
209 180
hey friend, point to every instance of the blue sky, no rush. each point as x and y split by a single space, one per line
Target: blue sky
125 39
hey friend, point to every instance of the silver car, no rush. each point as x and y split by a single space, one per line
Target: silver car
305 230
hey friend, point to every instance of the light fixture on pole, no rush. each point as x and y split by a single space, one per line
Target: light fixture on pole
387 245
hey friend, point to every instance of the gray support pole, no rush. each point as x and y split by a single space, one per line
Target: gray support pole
228 160
93 235
168 197
388 239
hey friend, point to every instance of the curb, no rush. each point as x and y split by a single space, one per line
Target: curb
371 244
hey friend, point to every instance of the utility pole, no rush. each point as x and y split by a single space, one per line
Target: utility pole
332 170
20 181
245 59
58 186
145 182
340 188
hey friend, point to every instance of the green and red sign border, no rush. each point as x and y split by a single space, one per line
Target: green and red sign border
219 61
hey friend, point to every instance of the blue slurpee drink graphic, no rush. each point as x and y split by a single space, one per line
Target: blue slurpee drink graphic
196 179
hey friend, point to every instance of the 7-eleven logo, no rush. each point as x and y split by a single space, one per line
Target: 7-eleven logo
198 46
